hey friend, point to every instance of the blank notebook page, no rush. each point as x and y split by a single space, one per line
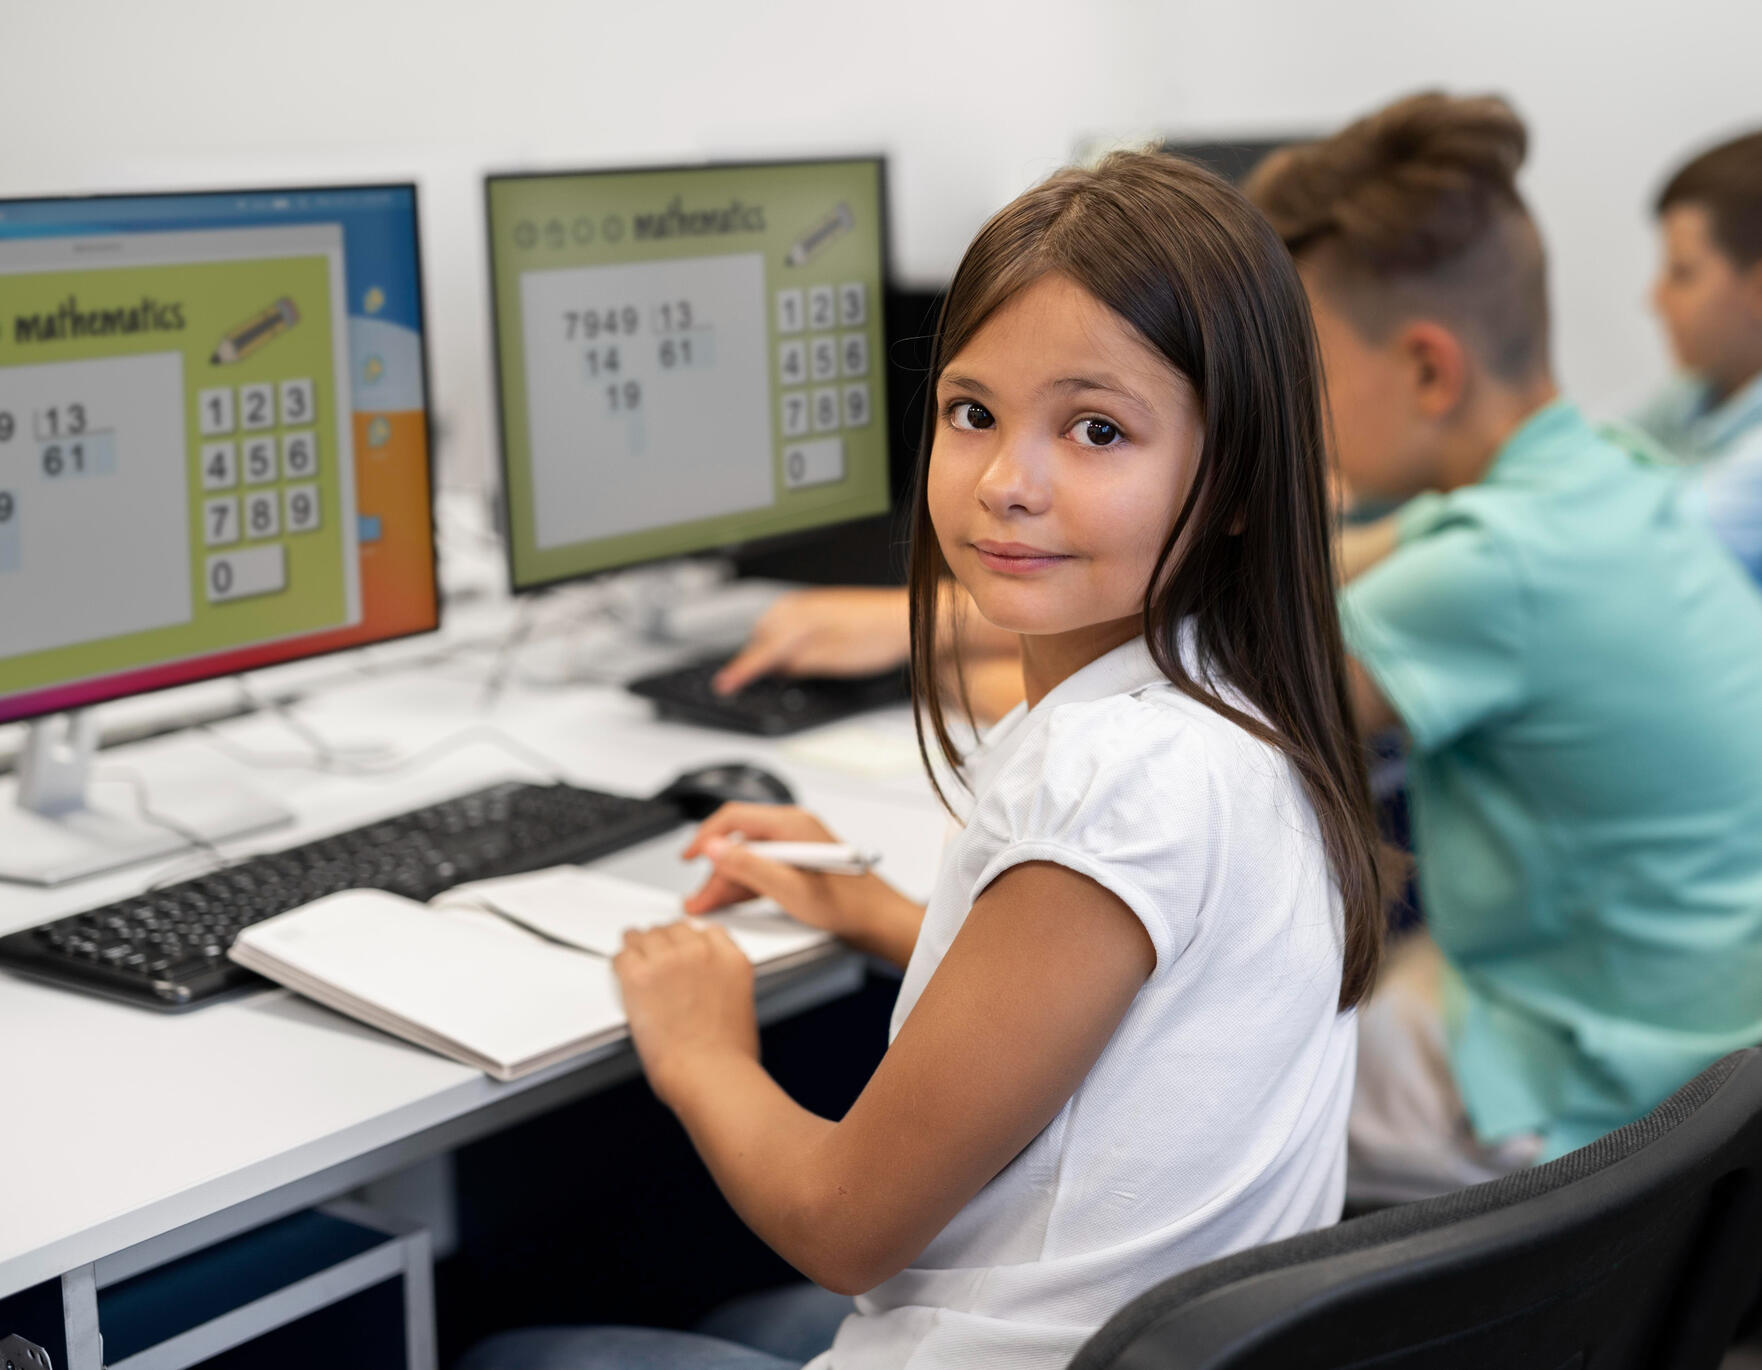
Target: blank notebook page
491 987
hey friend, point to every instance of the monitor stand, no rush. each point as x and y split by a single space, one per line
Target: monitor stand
54 831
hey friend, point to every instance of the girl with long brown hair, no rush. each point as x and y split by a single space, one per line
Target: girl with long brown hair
1123 1043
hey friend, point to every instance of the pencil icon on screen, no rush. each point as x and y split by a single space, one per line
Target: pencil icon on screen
247 337
840 220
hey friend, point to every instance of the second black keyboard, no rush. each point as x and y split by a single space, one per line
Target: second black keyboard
166 949
771 705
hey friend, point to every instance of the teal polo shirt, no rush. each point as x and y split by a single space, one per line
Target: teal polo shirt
1579 666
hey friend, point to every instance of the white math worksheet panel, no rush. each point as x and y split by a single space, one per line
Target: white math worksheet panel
95 540
648 394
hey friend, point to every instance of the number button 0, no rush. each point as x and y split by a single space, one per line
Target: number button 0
262 515
790 312
823 358
220 520
299 455
300 502
220 465
825 410
795 414
214 412
296 402
257 407
792 362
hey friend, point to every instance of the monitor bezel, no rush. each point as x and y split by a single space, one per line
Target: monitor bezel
328 187
775 542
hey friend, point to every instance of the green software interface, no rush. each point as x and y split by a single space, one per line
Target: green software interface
688 359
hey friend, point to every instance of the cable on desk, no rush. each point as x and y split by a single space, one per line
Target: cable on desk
137 783
423 756
504 662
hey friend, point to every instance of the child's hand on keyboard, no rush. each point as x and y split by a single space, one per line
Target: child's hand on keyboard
833 632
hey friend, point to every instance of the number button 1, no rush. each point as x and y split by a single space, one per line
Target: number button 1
790 313
214 412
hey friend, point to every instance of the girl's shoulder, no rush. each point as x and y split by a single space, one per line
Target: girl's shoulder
1153 757
1153 794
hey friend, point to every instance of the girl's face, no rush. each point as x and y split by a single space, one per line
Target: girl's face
1711 309
1064 447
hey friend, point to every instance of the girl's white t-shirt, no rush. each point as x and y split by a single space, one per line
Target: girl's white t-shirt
1215 1118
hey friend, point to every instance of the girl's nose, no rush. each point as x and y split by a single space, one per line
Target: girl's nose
1014 481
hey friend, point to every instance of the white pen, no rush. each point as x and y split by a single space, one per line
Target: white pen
831 858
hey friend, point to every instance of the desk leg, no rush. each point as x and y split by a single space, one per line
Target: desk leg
79 1315
419 1337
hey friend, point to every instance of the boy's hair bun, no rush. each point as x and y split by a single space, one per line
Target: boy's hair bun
1415 210
1405 189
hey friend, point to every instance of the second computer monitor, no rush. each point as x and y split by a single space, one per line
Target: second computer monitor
688 358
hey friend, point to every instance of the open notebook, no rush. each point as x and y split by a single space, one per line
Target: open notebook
508 975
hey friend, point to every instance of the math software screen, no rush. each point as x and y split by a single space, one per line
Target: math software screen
214 448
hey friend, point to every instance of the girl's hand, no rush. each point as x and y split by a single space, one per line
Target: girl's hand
688 991
842 904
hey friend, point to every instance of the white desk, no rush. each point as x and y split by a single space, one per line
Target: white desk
155 1134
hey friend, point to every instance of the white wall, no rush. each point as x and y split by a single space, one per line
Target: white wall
973 99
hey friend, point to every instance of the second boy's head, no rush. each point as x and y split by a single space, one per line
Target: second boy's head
1427 279
1709 288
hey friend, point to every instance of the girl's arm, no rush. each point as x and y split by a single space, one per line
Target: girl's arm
1023 1003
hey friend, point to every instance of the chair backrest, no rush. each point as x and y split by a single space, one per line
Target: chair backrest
1642 1250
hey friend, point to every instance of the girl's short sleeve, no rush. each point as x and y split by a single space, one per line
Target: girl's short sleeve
1118 790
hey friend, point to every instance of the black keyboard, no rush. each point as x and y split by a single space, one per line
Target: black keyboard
166 949
771 705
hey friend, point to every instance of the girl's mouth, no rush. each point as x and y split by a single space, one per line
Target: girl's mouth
1016 558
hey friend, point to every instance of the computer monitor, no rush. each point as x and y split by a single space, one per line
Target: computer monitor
688 359
214 456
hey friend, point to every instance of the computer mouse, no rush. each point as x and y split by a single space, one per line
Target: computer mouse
701 792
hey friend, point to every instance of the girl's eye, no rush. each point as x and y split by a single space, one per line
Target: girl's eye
969 415
1096 433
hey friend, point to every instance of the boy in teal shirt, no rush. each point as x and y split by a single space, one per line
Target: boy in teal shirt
1709 294
1577 663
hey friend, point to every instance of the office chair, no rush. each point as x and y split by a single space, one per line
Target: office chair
1642 1250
